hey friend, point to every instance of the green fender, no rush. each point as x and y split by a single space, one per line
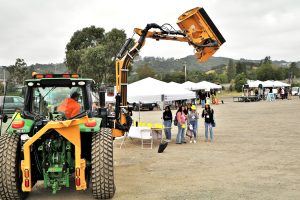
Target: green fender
84 128
28 123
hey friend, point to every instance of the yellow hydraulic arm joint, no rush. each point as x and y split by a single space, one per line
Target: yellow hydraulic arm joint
70 130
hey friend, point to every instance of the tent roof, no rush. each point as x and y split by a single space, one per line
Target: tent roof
269 83
190 85
275 84
151 90
254 84
281 84
205 85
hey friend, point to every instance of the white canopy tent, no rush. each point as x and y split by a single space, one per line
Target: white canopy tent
275 84
190 85
205 85
174 84
254 84
151 90
281 84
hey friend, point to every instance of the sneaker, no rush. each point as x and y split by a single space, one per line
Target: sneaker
178 143
195 141
191 141
184 142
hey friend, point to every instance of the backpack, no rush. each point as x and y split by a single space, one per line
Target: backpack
175 121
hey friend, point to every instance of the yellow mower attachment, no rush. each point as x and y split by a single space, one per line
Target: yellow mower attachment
201 32
70 130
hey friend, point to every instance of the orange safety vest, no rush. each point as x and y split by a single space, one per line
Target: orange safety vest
70 107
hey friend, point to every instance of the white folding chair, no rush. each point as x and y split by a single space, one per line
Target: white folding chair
146 138
121 139
143 133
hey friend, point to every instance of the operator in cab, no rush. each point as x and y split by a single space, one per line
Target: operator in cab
70 106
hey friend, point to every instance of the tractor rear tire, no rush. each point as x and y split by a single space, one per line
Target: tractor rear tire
102 172
10 168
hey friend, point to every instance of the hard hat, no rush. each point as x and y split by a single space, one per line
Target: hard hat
193 107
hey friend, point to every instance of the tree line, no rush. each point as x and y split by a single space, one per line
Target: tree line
236 73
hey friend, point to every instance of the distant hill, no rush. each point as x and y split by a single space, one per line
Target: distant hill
171 64
168 65
163 65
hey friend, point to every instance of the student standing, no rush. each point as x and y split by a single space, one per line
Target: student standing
208 115
193 117
167 117
181 125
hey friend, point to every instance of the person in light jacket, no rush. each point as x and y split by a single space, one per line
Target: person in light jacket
181 125
193 117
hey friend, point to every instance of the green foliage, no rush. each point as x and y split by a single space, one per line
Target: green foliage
267 60
171 64
269 72
231 70
177 77
195 76
295 85
92 63
18 73
145 71
293 70
222 78
241 67
114 41
1 89
239 81
86 38
92 53
58 68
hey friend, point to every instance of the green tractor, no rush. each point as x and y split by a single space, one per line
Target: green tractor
41 143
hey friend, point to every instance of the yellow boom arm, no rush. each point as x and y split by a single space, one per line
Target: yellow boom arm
197 30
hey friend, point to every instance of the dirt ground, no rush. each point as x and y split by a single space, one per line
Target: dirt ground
255 155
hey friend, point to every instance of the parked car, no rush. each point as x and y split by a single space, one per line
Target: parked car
143 106
11 103
295 91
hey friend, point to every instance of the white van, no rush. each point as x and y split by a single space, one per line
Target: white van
295 91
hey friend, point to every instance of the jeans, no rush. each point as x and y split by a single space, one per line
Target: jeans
168 124
208 126
180 134
195 128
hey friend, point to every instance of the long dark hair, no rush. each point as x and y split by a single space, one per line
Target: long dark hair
208 107
168 108
179 109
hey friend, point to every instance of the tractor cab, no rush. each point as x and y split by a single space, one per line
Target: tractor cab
45 93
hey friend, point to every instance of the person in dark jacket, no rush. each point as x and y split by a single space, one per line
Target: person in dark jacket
208 115
167 117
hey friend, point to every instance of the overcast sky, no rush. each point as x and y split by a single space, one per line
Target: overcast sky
38 31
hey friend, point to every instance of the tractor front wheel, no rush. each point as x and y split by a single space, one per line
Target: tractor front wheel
10 168
102 172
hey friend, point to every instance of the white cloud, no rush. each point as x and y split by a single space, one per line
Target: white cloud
38 31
